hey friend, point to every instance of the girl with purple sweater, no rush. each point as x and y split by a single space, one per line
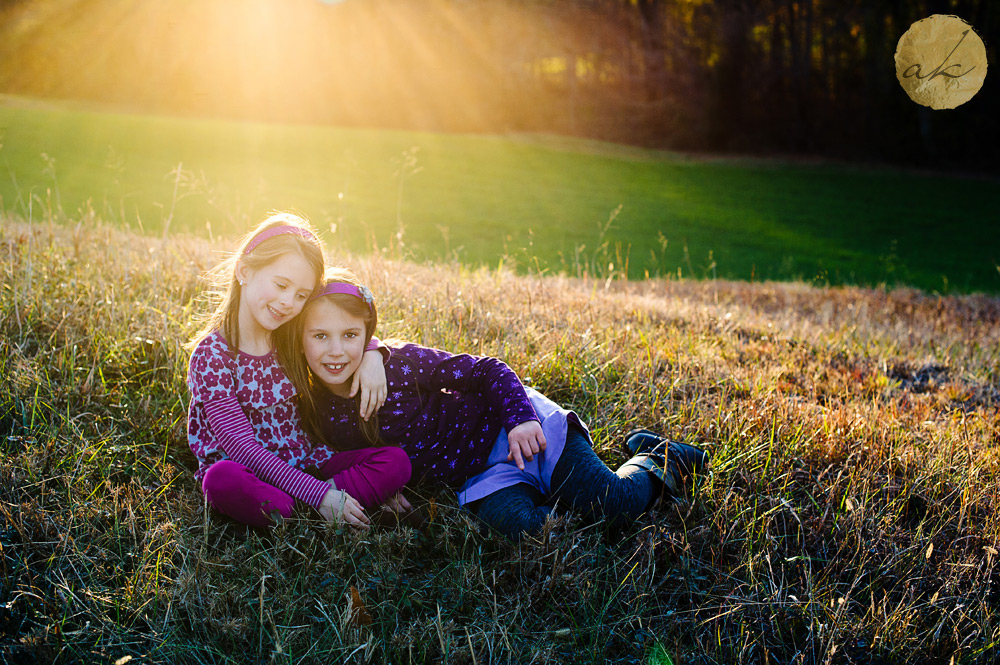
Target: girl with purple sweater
468 421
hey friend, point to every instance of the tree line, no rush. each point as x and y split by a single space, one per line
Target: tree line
811 77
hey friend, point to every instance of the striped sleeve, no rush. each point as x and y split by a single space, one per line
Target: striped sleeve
230 425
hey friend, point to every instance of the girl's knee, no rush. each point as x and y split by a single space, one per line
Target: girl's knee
224 477
284 505
515 522
394 463
233 490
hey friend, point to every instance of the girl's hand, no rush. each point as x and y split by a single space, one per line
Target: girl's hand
338 506
370 377
525 441
398 504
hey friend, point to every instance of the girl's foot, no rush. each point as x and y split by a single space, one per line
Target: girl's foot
673 463
690 459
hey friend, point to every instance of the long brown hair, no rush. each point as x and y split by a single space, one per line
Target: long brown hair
227 289
291 353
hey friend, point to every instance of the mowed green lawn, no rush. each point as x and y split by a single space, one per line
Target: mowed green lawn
536 202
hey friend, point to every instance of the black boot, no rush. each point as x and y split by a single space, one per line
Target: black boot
673 463
689 459
640 441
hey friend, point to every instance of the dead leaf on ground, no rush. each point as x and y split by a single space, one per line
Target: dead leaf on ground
359 612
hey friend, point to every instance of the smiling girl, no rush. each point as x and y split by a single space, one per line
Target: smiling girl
468 422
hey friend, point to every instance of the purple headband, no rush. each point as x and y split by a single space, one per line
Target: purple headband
359 291
277 231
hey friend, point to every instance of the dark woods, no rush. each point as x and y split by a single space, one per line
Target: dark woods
807 77
810 77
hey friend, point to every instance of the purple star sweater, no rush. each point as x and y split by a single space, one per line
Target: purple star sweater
445 410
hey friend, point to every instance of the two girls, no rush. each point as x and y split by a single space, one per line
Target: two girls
243 425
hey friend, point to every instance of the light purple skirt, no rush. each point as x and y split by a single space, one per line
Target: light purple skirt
500 473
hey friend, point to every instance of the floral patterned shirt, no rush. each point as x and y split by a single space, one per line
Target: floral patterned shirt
242 408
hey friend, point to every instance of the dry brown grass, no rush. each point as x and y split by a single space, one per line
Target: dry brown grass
849 518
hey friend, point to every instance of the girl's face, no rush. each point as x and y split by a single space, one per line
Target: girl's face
334 343
273 294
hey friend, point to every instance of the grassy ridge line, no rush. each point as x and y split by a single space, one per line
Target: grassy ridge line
562 204
851 516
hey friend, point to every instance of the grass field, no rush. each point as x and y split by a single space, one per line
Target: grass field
851 516
535 203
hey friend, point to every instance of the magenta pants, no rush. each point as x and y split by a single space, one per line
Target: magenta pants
370 475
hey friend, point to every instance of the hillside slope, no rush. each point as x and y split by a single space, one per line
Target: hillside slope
851 515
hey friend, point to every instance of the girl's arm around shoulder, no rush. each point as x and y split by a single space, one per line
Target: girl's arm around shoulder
370 378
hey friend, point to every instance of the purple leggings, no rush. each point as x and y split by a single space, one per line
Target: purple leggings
370 475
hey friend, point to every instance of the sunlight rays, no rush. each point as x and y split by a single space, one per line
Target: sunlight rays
422 64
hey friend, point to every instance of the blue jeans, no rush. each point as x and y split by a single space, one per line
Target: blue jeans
580 480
